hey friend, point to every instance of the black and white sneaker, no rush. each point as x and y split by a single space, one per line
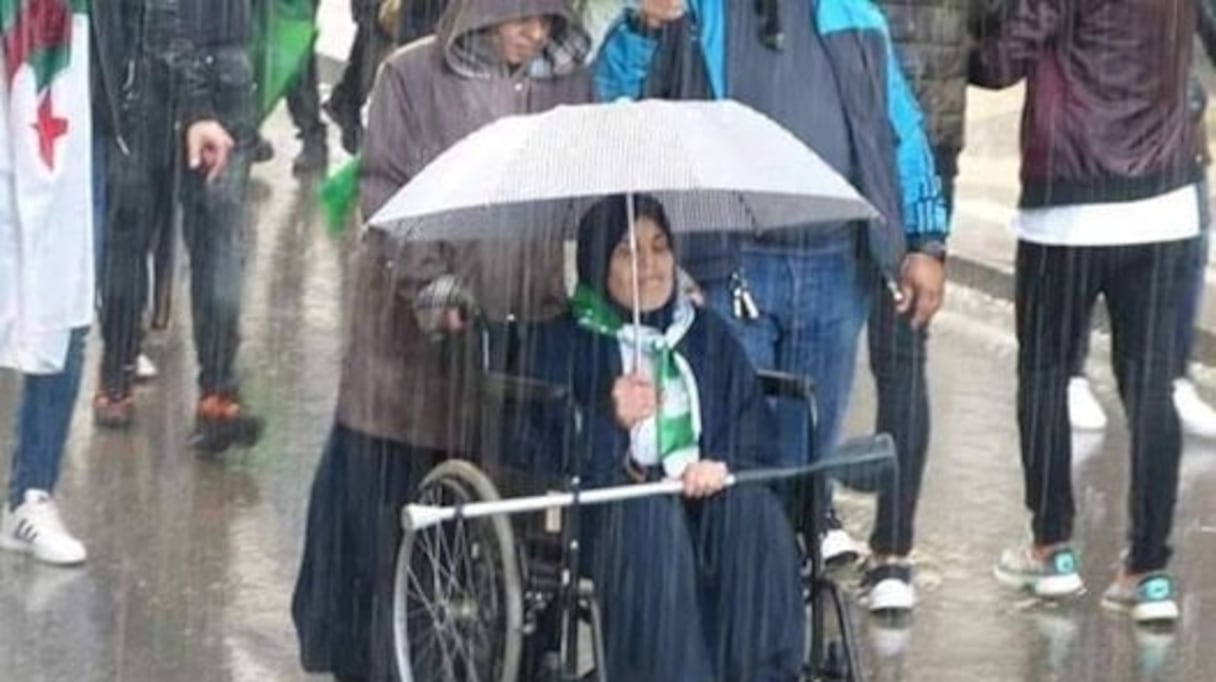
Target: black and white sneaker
887 588
36 528
837 547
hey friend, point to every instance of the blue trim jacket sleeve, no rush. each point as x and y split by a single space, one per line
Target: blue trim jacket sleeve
924 210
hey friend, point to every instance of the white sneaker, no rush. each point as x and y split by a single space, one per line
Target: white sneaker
145 369
1197 417
839 549
887 588
1055 577
1085 413
1152 599
36 527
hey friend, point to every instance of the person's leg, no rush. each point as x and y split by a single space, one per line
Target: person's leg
1144 295
1054 290
43 420
897 361
645 573
822 326
353 532
750 585
1188 310
344 103
214 224
140 201
304 106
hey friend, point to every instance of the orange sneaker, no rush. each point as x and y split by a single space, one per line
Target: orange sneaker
222 422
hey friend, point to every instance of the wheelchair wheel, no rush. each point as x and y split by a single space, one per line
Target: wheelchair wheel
458 600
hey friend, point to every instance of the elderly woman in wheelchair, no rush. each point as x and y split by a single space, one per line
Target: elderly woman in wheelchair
699 588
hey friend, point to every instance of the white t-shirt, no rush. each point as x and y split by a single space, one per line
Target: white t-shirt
1167 217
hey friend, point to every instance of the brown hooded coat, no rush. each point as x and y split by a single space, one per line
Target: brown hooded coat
396 382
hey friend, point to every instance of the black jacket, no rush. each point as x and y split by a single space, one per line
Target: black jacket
1106 116
128 33
930 38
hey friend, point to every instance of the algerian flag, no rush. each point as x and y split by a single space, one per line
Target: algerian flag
46 215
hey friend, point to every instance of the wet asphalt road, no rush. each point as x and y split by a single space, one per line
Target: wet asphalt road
193 561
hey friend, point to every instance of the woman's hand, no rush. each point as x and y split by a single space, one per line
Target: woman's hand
634 398
704 479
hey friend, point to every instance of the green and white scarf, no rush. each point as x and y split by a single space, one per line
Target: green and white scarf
672 437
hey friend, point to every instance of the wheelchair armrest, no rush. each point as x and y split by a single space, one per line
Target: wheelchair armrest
784 385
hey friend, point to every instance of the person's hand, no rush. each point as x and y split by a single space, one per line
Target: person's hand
655 13
922 287
451 320
635 399
440 322
207 148
704 479
690 288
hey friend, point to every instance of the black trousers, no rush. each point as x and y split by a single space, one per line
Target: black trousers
142 196
897 362
1143 286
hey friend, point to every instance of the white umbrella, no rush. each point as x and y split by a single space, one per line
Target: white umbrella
716 166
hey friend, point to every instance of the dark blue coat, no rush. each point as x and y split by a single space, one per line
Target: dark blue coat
739 427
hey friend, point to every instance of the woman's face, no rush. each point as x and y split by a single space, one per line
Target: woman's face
656 269
519 41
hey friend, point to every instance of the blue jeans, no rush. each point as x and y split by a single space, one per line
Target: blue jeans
44 414
43 420
813 300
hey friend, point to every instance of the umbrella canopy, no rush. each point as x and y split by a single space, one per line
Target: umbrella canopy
716 166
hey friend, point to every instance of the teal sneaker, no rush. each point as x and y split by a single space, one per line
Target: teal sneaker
1055 577
1152 599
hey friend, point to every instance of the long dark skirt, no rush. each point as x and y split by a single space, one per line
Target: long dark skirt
342 605
699 591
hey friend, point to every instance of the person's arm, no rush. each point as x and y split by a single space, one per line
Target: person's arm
393 150
208 143
624 59
1004 57
924 211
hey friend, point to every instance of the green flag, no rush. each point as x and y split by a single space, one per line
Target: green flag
338 195
285 31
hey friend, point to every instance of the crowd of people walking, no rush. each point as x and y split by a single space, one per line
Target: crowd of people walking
1113 205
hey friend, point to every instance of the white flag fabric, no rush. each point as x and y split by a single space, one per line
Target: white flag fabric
46 190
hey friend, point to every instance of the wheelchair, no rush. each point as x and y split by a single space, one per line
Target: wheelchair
499 599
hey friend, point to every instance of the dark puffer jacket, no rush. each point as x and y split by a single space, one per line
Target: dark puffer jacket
930 41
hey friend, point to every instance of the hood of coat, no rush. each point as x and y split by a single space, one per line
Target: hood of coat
467 44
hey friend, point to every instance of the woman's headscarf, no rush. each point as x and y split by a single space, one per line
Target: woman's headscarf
671 437
601 229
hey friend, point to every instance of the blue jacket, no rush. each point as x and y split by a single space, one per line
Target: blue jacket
895 168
